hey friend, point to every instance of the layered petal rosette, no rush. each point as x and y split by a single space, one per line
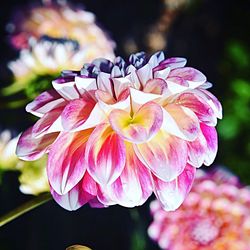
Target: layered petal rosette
214 216
117 131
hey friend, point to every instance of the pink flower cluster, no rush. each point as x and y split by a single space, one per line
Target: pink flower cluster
214 216
117 131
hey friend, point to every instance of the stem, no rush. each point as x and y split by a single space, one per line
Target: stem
24 208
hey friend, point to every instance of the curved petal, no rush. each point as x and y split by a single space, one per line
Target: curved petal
96 203
107 103
134 185
155 86
50 122
206 85
193 76
120 84
133 77
173 62
197 151
212 101
67 89
105 155
31 148
144 74
144 124
210 135
180 121
165 155
199 106
172 194
77 196
84 84
139 98
77 112
104 83
176 85
161 72
45 102
103 196
156 58
66 165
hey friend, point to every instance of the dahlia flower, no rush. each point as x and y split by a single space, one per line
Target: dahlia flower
60 21
117 131
45 59
214 216
33 179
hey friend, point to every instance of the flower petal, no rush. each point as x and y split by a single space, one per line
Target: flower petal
156 58
30 148
134 185
104 83
180 121
66 164
174 62
212 101
139 98
210 135
193 76
172 194
77 112
161 72
49 123
199 106
165 155
107 103
45 102
84 84
197 151
206 85
67 89
145 73
77 196
105 155
144 124
176 85
155 86
133 77
120 84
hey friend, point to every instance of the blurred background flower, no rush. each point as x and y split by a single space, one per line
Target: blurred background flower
44 60
52 37
32 175
214 216
59 20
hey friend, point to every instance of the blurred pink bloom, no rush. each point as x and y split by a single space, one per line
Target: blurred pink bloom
116 132
59 21
214 216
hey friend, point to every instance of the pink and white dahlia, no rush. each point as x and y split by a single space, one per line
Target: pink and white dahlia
117 131
214 216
